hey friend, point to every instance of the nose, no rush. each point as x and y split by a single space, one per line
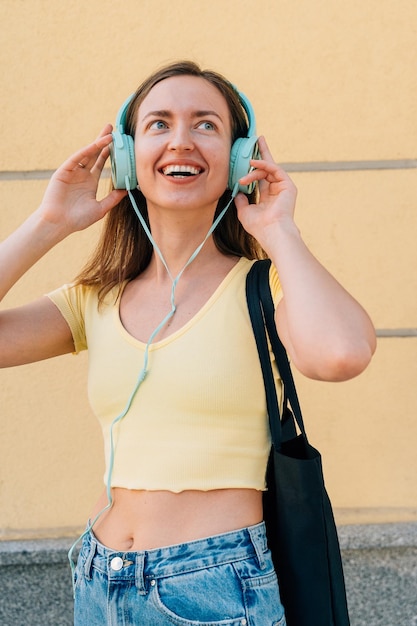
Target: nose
181 138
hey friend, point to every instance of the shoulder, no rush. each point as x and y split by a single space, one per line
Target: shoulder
79 306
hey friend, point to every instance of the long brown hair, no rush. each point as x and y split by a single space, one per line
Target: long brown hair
124 250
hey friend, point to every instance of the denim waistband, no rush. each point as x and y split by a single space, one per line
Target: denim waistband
144 565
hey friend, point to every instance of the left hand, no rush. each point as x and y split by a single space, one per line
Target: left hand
277 196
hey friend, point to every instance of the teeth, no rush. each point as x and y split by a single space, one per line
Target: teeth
181 170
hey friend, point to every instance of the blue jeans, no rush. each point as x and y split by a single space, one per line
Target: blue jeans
225 580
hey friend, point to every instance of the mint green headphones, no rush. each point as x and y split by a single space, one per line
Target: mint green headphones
122 152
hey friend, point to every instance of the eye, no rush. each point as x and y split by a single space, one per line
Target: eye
207 125
158 125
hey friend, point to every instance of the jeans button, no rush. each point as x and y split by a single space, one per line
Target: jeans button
116 563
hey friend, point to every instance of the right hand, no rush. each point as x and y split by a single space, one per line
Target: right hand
70 201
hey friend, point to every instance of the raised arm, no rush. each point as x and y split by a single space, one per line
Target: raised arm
327 333
37 330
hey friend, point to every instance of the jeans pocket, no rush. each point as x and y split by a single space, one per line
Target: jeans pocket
263 601
207 597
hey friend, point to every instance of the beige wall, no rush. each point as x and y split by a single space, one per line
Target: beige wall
331 84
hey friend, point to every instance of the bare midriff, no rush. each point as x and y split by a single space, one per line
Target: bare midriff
144 520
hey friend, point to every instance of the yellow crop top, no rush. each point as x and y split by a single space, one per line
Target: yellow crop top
198 420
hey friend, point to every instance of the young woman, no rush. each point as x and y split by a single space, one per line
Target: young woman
177 536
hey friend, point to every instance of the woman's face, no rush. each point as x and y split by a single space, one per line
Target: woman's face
182 144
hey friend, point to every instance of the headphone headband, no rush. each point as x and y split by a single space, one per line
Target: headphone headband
122 114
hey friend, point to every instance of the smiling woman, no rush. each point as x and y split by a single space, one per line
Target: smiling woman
194 133
177 536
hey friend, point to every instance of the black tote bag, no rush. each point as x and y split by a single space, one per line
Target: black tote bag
301 530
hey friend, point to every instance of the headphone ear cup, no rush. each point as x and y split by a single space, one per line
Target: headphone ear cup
243 151
122 159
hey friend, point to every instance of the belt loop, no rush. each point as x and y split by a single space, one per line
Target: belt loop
139 573
258 544
90 557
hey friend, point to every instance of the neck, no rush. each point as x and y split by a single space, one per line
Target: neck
177 241
179 261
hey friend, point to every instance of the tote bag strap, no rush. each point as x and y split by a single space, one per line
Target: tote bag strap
262 313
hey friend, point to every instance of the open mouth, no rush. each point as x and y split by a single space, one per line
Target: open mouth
181 171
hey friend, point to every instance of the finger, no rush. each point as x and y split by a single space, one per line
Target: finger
257 173
270 170
264 149
100 161
241 201
272 179
113 198
267 158
106 130
87 156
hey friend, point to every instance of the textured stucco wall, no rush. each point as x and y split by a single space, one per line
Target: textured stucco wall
335 92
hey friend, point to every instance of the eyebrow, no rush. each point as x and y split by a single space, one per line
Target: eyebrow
168 114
